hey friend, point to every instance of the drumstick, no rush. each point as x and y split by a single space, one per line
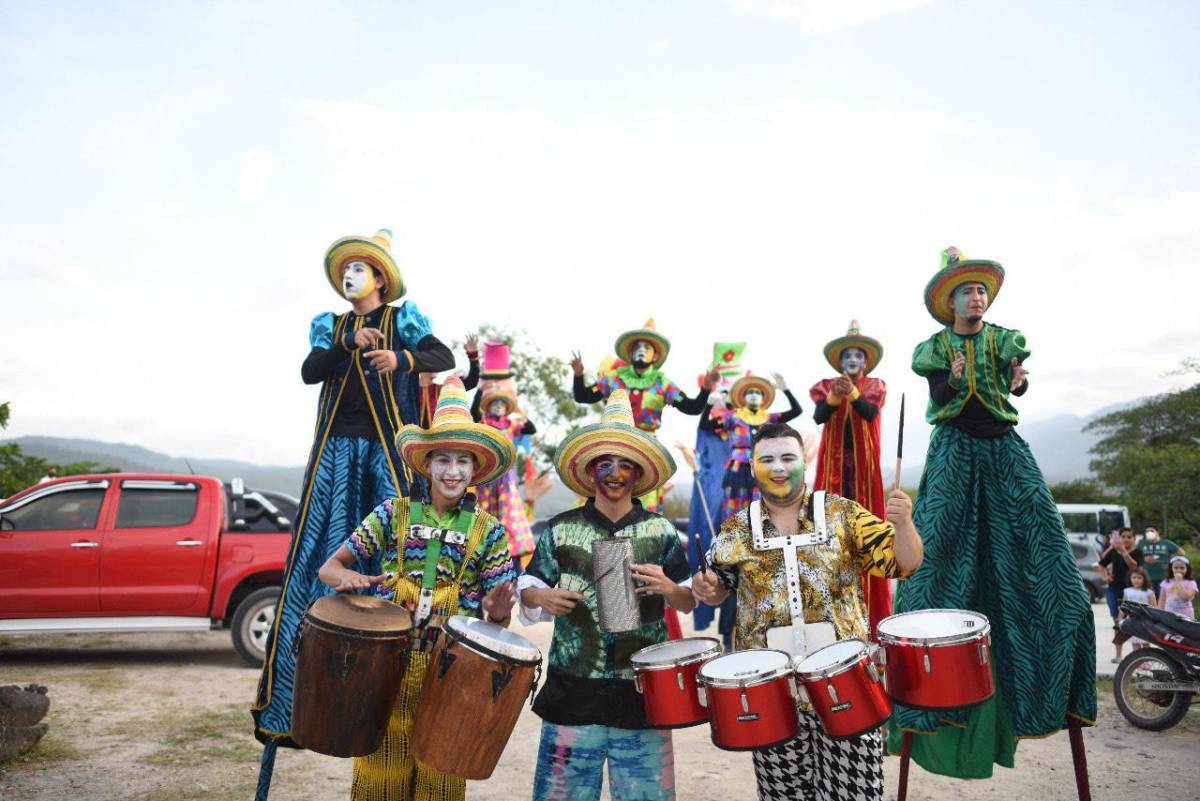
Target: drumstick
700 555
899 445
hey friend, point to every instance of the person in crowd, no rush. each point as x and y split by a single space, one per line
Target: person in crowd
1179 591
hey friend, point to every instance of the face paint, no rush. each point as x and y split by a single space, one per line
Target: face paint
754 399
779 470
498 408
358 280
970 301
853 360
450 473
643 353
613 477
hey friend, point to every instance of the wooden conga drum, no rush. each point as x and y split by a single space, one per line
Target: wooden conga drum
348 672
479 676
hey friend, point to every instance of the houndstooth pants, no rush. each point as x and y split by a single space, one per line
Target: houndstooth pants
813 767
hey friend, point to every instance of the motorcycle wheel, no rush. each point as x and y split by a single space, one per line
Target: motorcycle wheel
1154 710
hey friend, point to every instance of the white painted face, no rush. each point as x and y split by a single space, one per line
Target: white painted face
754 399
642 352
778 465
358 280
497 408
853 360
450 473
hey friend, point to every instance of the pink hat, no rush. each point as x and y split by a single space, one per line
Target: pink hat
496 361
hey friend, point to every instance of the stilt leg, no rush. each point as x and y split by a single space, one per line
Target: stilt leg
905 758
265 769
1079 757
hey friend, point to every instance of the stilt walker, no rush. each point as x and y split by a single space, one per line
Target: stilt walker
747 411
987 516
367 361
849 409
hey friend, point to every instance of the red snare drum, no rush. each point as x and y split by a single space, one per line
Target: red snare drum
665 675
844 689
749 699
937 658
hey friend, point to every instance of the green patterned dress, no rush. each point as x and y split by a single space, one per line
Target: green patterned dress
995 544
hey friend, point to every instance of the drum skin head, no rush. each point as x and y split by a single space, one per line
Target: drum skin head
835 655
746 666
934 625
669 654
497 639
360 613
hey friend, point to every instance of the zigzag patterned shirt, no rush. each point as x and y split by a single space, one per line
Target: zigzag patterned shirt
488 567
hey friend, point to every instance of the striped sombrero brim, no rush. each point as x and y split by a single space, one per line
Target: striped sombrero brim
507 397
624 345
357 248
870 346
737 395
584 445
941 287
493 452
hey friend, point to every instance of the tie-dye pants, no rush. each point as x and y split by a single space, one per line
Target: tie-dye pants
570 764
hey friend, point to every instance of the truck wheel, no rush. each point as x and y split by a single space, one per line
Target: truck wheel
252 624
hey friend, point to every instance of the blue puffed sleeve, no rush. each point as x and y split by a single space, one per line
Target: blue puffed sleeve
320 332
411 325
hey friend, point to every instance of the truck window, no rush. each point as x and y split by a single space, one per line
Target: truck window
148 507
72 509
1080 522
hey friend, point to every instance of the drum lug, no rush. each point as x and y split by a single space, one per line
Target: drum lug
878 655
801 694
928 663
537 677
500 680
745 703
637 682
679 679
702 696
983 652
833 696
444 663
874 671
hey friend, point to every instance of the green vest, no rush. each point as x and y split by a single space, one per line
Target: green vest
986 375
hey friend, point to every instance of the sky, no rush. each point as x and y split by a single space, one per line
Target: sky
171 174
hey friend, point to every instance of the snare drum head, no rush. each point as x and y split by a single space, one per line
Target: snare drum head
843 652
933 624
675 652
360 613
743 667
490 637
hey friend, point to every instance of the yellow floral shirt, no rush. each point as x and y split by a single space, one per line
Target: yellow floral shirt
830 573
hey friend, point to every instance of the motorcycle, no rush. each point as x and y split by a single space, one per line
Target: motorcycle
1154 685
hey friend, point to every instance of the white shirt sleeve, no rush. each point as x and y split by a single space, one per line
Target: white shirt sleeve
529 615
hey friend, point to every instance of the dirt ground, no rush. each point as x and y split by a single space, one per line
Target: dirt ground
155 717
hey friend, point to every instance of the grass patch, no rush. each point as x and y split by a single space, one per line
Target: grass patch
197 792
1104 686
204 737
7 642
50 749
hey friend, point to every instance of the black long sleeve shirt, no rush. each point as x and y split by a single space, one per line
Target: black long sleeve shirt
585 393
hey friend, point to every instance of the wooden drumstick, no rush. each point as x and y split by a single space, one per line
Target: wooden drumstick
899 446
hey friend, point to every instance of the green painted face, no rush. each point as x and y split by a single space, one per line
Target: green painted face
779 470
970 301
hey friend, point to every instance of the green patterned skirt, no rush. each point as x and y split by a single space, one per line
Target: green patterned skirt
995 544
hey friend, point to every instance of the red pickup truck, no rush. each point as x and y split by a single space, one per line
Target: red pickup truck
136 552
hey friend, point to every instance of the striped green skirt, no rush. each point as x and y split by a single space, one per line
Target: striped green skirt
995 544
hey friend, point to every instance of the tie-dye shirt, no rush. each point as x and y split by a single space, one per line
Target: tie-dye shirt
377 539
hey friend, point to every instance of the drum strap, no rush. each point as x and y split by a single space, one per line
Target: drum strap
791 566
433 550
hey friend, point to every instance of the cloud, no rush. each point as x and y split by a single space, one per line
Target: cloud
826 16
254 173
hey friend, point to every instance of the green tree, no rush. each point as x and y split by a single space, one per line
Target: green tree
19 470
544 386
1150 454
1081 490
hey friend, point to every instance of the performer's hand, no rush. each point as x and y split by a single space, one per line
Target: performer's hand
472 345
368 338
843 386
956 366
382 361
707 589
654 580
576 363
497 604
538 487
780 384
552 599
1019 374
899 508
711 379
353 580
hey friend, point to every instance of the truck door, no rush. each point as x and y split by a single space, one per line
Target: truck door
50 551
155 552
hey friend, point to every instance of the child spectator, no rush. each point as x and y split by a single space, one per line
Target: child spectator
1179 591
1139 592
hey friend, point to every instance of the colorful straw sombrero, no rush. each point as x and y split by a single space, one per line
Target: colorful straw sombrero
737 395
853 339
662 345
453 429
376 251
614 435
956 271
497 392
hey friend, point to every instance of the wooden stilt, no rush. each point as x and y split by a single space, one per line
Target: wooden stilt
1079 758
905 758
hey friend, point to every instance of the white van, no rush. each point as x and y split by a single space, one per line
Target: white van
1088 520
